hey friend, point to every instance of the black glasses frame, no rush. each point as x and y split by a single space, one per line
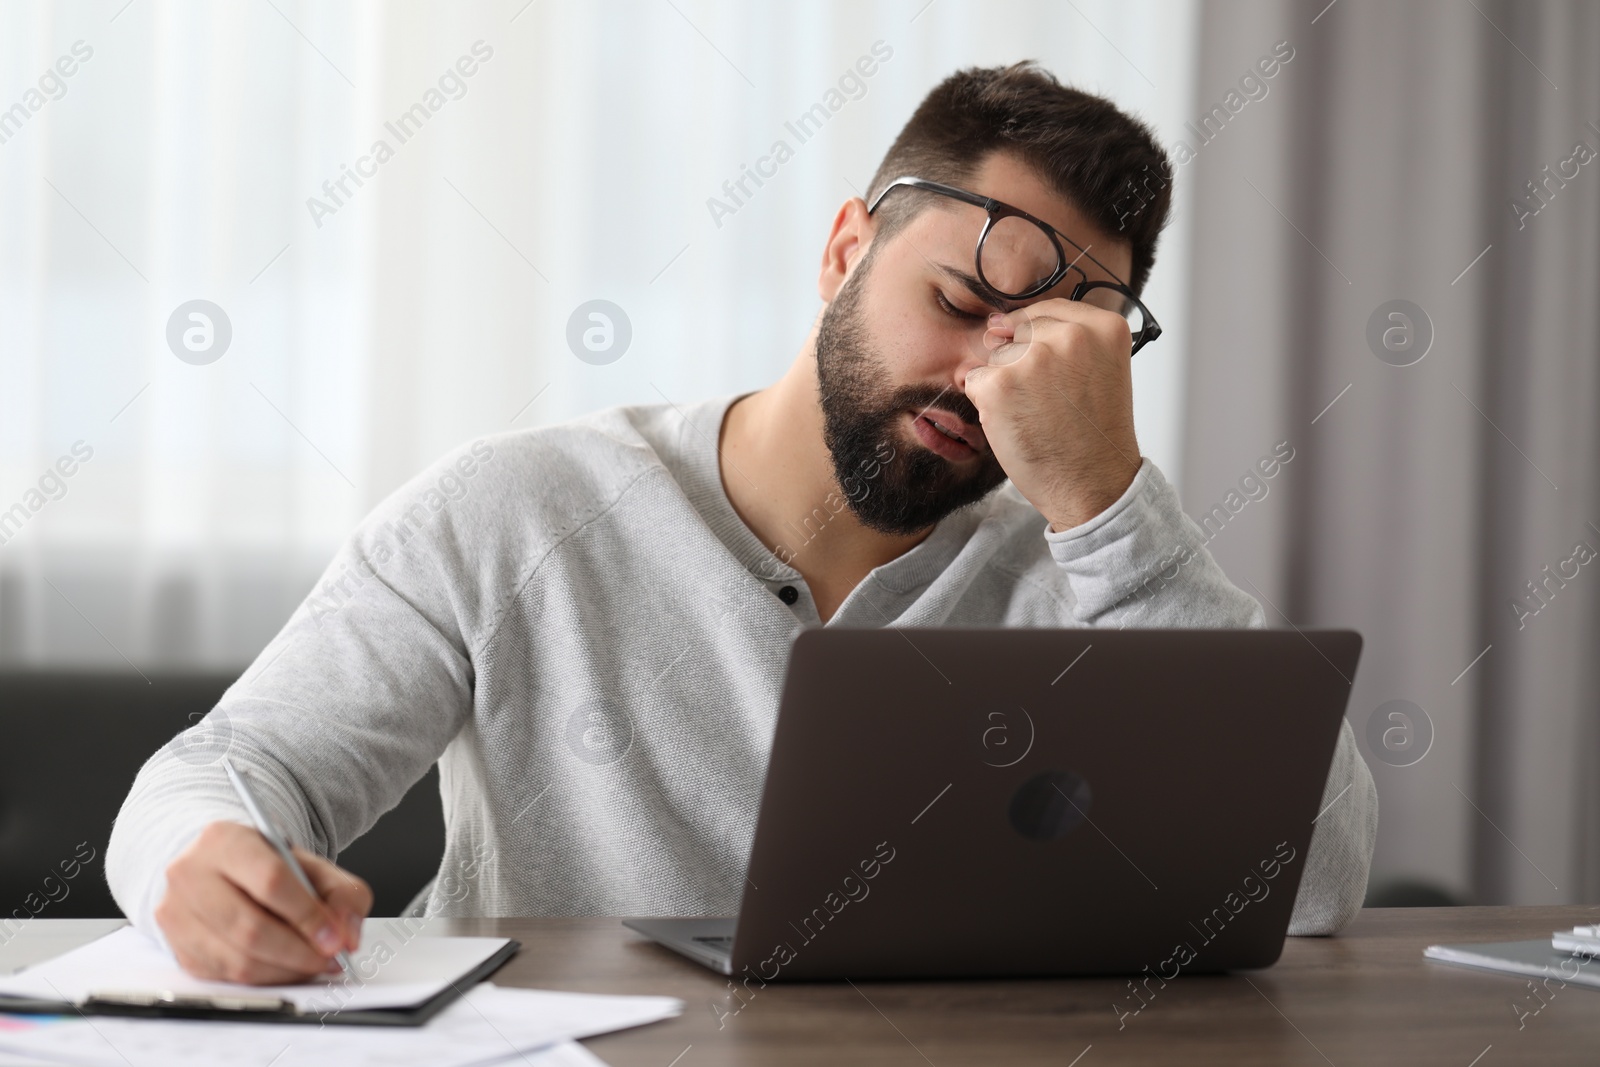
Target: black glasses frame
997 210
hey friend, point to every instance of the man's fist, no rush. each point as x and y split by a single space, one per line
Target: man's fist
1056 402
234 912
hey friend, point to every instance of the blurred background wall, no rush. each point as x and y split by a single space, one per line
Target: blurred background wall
365 309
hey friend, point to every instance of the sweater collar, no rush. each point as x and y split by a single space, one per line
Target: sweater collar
699 474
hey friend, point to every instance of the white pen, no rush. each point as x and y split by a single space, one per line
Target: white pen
258 815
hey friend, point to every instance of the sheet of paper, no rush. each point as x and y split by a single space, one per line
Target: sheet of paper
490 1025
392 969
36 940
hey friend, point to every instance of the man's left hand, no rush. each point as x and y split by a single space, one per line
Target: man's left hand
1056 403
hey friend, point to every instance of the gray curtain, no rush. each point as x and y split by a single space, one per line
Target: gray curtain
1390 160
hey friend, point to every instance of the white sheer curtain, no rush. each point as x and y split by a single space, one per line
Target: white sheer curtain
561 153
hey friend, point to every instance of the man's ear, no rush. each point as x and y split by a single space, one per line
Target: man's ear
852 231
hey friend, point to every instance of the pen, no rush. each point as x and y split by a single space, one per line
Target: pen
258 815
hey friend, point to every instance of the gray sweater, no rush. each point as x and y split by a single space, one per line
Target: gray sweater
576 625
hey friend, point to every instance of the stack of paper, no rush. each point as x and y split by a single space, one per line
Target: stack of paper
1569 957
395 970
489 1025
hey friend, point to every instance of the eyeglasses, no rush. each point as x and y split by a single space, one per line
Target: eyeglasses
1019 256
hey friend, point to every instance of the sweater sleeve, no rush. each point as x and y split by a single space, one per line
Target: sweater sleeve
340 714
1143 563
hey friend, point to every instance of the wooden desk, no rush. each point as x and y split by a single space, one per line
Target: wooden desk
1365 997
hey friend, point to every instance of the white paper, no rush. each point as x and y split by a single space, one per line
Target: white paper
487 1026
395 968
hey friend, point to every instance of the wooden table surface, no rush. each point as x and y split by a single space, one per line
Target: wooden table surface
1365 997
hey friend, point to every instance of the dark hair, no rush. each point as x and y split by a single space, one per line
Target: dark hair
1106 163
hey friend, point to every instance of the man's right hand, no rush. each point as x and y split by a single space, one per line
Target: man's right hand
234 912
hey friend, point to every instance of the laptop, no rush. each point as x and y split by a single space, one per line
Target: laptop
945 803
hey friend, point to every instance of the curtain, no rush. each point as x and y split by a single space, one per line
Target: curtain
383 304
1433 161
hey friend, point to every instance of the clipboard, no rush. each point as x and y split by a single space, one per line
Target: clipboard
245 1006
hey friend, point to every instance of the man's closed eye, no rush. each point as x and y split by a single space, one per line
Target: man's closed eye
955 312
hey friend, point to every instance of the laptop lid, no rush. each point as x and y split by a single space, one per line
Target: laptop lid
946 803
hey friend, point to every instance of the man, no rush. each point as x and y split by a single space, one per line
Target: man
587 625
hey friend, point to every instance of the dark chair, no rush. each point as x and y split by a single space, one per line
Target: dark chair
70 745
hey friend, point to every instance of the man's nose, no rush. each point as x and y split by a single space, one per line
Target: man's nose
974 353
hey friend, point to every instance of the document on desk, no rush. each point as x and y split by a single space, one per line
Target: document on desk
389 973
489 1025
1533 959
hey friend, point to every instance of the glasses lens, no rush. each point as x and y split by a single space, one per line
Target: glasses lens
1103 296
1017 257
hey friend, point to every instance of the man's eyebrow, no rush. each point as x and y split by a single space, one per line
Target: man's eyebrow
978 290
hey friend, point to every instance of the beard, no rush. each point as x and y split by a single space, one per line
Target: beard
892 485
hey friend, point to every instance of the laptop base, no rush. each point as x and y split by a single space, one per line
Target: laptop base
709 942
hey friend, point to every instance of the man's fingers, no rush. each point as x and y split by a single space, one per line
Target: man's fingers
256 868
1054 318
1057 309
197 949
233 939
1003 345
234 911
347 896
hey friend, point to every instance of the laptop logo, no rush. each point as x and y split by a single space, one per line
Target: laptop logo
1049 806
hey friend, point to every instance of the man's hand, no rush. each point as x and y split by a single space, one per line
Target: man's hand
1056 403
233 911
